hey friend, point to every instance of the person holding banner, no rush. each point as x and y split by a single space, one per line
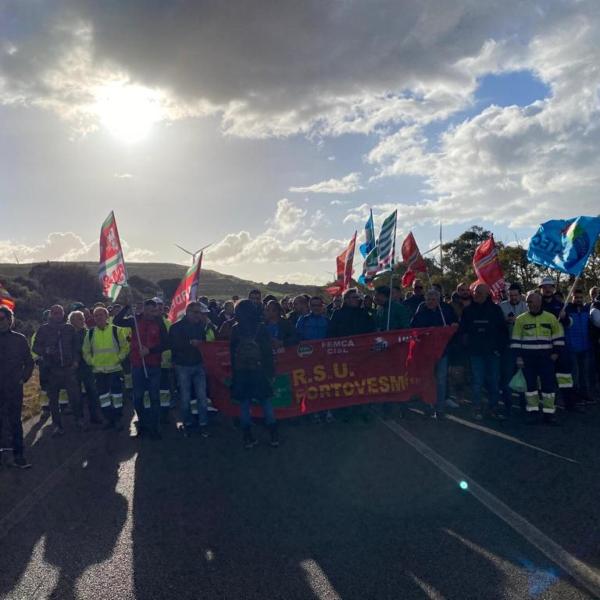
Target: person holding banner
252 370
147 345
399 315
350 318
434 313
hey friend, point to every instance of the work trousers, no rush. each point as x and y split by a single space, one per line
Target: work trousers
63 378
540 367
110 393
11 405
148 418
88 383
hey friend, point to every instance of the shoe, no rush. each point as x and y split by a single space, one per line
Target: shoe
81 425
439 415
550 419
531 417
316 418
274 442
20 462
204 431
477 415
329 418
58 431
494 414
249 441
451 404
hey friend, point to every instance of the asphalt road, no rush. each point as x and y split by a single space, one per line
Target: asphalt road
338 511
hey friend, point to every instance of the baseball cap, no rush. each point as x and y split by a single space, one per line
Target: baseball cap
203 307
547 281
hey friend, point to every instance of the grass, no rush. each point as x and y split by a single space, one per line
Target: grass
31 397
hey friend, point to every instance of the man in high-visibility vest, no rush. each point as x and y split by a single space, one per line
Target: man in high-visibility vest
105 347
537 340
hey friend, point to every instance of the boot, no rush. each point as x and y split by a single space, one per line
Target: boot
274 443
249 441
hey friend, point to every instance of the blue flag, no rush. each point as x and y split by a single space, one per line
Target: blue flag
369 237
565 245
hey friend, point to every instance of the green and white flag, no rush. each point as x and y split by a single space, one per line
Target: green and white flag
386 243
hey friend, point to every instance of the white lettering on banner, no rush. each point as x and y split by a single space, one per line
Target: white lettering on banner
337 346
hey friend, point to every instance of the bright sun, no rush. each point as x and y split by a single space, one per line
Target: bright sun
128 111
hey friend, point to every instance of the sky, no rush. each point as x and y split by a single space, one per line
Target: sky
269 130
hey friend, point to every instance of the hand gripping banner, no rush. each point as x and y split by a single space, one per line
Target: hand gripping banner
393 366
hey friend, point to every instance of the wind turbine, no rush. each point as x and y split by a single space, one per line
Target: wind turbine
193 254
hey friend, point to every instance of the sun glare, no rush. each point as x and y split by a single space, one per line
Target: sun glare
128 111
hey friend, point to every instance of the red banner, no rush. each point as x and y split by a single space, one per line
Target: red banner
186 292
412 259
343 264
112 266
393 366
487 266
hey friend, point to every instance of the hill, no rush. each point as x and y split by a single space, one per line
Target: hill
212 284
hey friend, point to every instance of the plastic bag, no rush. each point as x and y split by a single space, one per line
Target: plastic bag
517 383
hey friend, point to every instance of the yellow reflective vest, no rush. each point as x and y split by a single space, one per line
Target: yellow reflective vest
105 349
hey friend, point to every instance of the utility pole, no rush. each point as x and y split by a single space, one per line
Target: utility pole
441 253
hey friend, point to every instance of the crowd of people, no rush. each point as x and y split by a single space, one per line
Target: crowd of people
531 347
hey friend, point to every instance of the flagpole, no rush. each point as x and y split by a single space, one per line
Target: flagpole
440 302
135 323
389 315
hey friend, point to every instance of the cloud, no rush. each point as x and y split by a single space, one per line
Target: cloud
279 243
348 184
315 68
123 176
64 246
518 165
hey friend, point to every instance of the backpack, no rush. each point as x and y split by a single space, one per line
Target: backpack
115 338
248 356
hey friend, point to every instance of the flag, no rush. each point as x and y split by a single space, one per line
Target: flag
111 271
487 266
412 259
186 292
6 299
386 243
370 267
369 236
344 270
564 245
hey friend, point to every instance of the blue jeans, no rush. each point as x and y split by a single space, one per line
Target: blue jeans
188 378
485 369
441 380
148 418
245 418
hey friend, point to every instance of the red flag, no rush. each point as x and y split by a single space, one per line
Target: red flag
111 271
344 270
412 259
6 299
186 292
487 266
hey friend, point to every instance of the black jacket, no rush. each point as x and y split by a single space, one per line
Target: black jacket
180 334
350 321
263 339
16 364
425 317
57 344
483 328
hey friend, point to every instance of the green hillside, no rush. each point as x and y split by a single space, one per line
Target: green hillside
212 284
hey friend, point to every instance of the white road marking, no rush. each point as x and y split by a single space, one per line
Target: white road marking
507 437
318 582
586 576
428 589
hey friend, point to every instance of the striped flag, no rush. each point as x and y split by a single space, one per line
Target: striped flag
6 299
386 243
370 267
111 271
